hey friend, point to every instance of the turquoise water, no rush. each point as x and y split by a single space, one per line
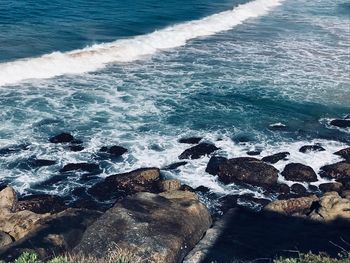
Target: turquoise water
217 70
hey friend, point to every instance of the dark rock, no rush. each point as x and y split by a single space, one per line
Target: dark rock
330 187
339 170
214 163
311 148
114 186
282 188
276 157
191 140
253 153
298 189
299 172
301 205
76 148
62 138
41 162
41 204
161 228
198 151
5 239
174 166
114 151
247 170
341 123
185 187
14 149
86 167
202 189
313 188
344 153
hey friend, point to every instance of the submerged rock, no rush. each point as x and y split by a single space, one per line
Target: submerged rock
40 162
299 172
247 170
276 157
198 151
14 149
62 138
253 153
113 151
140 180
341 123
86 167
311 148
191 140
160 228
344 153
76 148
174 166
339 170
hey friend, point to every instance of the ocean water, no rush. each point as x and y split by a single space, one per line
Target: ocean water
144 73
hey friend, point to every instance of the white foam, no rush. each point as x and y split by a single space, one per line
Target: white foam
98 56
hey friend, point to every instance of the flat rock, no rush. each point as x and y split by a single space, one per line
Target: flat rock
191 140
299 172
276 157
160 228
140 180
41 204
341 123
62 138
198 151
311 148
247 170
344 153
339 170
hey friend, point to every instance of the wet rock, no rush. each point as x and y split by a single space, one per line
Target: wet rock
76 148
311 148
344 153
198 151
202 189
247 170
313 188
140 180
339 170
169 185
214 163
41 204
331 187
92 168
299 172
5 239
114 150
331 207
186 187
292 206
40 162
298 189
174 166
191 140
62 138
282 188
253 153
14 149
276 157
341 123
161 228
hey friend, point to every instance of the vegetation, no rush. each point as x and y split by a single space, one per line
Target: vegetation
316 258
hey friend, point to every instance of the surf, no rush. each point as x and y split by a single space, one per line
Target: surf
98 56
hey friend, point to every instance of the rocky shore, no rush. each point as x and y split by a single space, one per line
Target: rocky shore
161 220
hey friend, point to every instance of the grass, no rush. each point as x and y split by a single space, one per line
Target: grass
344 257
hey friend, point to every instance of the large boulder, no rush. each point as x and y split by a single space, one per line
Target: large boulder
247 170
344 153
159 228
292 206
331 207
140 180
339 170
214 164
276 157
299 172
198 151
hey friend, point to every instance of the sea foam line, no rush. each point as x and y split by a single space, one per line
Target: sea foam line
98 56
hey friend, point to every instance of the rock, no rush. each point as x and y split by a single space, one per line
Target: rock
344 153
8 199
331 187
76 148
114 150
299 206
62 138
247 170
198 151
341 123
55 235
311 148
253 153
276 157
13 149
91 168
214 163
202 189
191 140
299 172
169 185
140 180
282 188
5 239
313 188
41 204
186 187
339 170
40 162
161 228
346 194
277 126
331 207
174 166
298 189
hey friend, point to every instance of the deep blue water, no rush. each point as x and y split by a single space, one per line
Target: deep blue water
289 65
